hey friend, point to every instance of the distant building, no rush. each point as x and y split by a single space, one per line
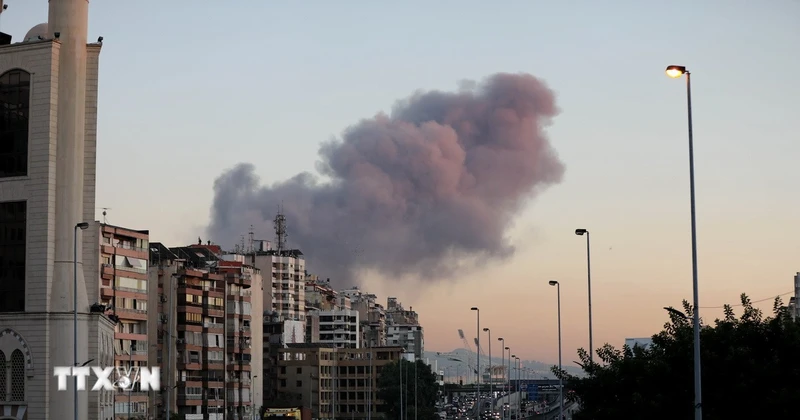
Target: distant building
334 382
403 328
337 327
794 302
641 342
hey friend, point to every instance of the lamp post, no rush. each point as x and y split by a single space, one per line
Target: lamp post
491 386
252 395
560 379
676 72
502 360
81 226
508 382
581 232
519 387
478 364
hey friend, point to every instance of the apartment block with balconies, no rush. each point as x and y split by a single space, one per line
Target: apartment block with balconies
205 322
121 256
334 382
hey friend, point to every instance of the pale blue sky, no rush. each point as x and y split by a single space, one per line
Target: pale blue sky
189 88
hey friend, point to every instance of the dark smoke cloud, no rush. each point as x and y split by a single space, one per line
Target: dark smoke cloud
436 182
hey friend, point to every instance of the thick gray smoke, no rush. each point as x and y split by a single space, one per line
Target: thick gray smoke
414 193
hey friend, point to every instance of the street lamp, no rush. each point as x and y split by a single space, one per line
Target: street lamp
491 386
502 360
581 232
252 388
517 388
676 72
508 382
478 363
560 375
81 226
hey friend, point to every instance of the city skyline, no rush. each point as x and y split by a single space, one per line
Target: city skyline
621 134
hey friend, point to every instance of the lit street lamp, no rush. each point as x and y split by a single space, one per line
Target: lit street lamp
581 232
676 72
560 379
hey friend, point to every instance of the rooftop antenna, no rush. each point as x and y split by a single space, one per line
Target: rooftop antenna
280 230
251 250
105 209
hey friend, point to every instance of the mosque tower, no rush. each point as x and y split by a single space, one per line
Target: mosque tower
48 120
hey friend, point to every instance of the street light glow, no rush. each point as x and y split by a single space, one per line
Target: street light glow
675 71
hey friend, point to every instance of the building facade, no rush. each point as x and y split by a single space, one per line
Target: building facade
334 382
403 328
120 263
206 332
48 121
337 327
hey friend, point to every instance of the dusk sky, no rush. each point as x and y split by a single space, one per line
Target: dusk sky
191 88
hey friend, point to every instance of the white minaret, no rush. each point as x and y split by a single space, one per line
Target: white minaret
69 19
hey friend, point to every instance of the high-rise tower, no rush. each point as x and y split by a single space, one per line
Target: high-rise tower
48 118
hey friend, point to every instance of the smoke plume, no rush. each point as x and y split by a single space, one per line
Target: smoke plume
417 192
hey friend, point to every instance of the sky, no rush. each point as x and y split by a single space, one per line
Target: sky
191 88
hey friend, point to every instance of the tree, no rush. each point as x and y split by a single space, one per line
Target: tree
749 370
424 383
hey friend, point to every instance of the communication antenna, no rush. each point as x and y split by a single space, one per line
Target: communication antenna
280 230
251 240
105 213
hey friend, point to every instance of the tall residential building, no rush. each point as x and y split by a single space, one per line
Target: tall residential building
120 265
286 270
48 123
337 327
372 317
403 328
334 382
206 331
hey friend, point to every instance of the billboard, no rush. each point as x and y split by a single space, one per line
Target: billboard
293 332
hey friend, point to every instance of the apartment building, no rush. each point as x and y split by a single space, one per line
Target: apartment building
286 271
204 333
403 328
372 317
334 382
319 294
337 327
119 259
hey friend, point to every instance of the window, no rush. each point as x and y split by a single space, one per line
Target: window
12 256
17 376
3 380
15 99
12 377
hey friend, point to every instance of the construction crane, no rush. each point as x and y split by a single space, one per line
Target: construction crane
488 364
470 365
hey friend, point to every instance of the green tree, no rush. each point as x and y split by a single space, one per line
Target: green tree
421 385
750 367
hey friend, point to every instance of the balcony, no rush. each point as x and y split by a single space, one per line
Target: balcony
214 325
